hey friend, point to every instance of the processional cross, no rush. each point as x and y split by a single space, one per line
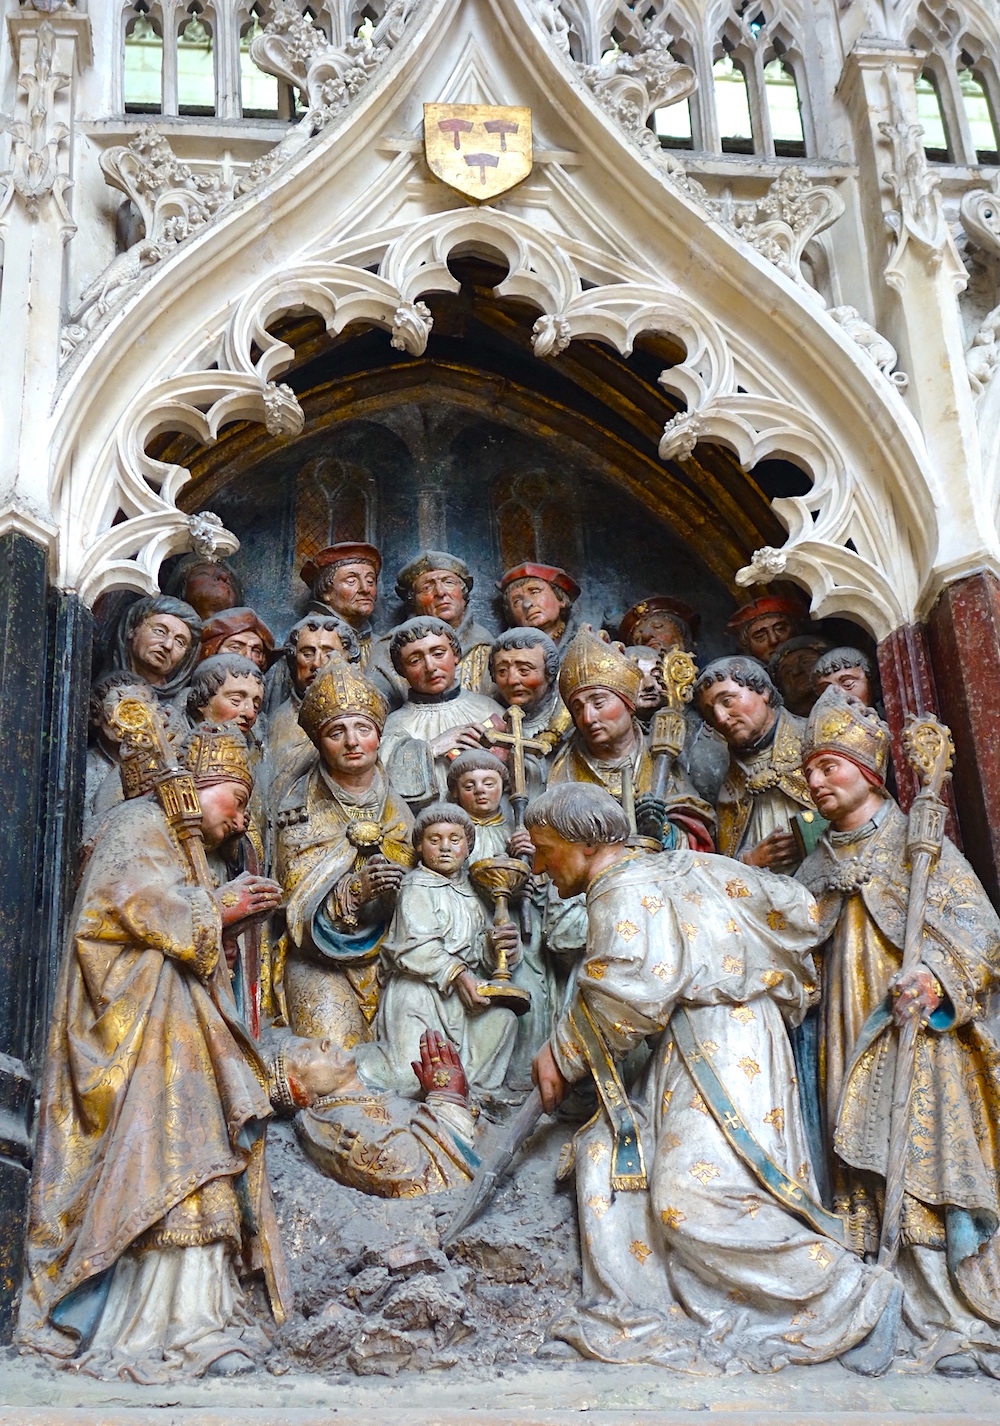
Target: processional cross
518 744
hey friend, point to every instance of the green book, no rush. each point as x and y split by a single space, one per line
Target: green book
807 828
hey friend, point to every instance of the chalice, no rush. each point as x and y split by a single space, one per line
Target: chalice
501 878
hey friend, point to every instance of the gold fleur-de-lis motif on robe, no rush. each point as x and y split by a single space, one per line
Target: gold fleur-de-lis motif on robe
776 1118
652 904
737 888
598 1204
640 1251
750 1067
672 1217
743 1014
776 921
771 978
627 929
704 1172
732 965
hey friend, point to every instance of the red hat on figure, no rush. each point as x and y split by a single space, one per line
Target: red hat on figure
769 604
347 553
658 604
551 573
223 626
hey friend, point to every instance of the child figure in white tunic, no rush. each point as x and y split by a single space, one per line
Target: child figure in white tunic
438 950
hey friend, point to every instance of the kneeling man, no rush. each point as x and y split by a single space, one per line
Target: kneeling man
702 1237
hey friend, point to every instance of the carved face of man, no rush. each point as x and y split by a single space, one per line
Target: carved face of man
659 631
840 790
440 592
429 664
763 634
604 722
313 648
237 701
796 680
158 645
247 643
317 1068
534 604
519 674
479 792
568 864
223 812
851 680
349 745
209 589
351 591
651 695
741 715
443 848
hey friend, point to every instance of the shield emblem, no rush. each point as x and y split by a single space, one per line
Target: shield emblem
480 149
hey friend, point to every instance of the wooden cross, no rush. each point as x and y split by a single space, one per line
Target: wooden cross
518 744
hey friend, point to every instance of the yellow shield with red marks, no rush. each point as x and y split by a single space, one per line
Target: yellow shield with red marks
480 149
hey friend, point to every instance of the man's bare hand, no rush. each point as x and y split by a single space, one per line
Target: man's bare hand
378 877
466 736
520 845
466 987
548 1078
777 852
915 992
504 937
246 898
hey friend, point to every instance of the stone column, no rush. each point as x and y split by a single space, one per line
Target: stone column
44 637
964 643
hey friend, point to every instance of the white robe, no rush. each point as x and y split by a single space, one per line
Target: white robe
408 733
706 1266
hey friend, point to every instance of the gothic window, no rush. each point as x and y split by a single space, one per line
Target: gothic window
195 62
537 519
258 91
758 98
143 60
958 93
335 501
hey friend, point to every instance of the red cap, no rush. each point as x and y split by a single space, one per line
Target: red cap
347 553
222 626
658 604
770 604
551 573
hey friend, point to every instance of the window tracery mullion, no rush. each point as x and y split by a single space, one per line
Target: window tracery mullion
227 59
760 119
704 114
172 13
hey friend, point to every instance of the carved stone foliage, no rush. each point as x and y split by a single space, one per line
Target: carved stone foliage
782 223
37 139
980 214
631 86
917 220
175 200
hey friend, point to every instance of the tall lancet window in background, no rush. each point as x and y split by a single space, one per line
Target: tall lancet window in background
733 105
931 118
143 68
195 64
784 109
258 91
979 113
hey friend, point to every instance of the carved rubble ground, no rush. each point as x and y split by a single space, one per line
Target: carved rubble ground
390 1331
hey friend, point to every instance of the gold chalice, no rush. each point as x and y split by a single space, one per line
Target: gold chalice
501 878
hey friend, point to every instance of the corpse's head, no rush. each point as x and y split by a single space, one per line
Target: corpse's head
315 1068
443 838
577 831
736 697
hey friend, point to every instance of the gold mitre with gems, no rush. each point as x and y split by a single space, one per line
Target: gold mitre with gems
216 752
593 661
843 725
338 689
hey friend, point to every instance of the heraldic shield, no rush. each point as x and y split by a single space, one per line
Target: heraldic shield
480 149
